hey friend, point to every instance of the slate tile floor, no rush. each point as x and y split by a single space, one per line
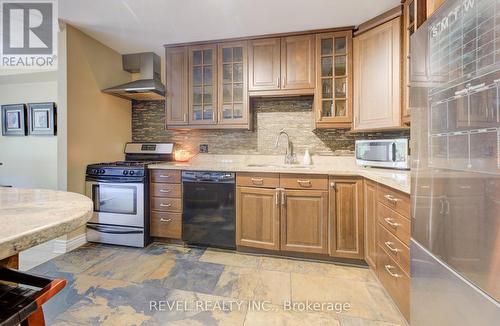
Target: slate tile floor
110 285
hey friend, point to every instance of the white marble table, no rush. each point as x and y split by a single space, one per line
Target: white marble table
29 217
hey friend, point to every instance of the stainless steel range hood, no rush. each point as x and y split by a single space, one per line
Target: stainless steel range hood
148 86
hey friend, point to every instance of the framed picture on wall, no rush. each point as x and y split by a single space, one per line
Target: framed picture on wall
14 120
42 118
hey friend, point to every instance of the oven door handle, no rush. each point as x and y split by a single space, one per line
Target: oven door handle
104 229
116 180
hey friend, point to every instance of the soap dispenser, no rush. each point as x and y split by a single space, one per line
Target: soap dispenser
307 158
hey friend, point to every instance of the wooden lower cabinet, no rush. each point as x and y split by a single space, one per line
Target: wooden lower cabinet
346 218
166 204
370 206
257 218
393 239
166 225
395 281
304 221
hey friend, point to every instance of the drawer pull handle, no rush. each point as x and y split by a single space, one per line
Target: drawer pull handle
388 269
257 181
306 182
165 190
165 176
165 205
166 220
391 222
390 245
391 198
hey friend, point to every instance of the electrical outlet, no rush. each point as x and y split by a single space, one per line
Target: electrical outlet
203 148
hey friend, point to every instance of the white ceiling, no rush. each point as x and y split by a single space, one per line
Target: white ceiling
146 25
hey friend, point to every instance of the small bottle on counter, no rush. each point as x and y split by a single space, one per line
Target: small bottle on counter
307 158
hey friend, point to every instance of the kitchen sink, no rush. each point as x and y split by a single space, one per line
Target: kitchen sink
282 166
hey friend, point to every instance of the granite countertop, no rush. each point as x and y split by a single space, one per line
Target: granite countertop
331 165
33 216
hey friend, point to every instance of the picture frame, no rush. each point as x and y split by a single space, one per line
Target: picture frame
42 119
14 120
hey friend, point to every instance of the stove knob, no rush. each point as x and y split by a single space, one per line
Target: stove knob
132 172
101 171
125 172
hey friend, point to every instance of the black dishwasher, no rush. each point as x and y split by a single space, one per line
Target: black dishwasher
209 213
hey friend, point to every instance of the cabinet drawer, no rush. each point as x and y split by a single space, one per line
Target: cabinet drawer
304 181
262 180
395 281
398 251
166 225
395 223
166 190
166 204
394 199
168 176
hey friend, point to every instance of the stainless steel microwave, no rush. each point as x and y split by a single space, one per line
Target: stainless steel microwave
385 153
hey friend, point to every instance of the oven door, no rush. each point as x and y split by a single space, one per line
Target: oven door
117 203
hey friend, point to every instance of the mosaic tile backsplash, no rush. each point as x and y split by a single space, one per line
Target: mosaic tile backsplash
269 116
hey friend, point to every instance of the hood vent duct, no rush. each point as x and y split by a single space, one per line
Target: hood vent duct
148 86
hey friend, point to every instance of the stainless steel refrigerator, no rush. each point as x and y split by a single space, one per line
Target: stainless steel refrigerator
455 140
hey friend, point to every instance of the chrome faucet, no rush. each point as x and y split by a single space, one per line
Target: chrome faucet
289 158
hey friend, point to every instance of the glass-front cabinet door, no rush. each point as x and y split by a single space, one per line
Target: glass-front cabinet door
233 83
333 102
202 84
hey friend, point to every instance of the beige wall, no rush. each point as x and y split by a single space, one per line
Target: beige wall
28 161
98 124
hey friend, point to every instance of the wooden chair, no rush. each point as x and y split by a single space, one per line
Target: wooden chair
23 305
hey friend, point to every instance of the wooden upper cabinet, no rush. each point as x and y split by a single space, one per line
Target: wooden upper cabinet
346 218
370 214
409 27
177 86
297 62
257 218
432 5
304 221
202 84
233 83
377 77
333 94
264 64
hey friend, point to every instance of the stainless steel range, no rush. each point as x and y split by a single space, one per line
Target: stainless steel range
120 191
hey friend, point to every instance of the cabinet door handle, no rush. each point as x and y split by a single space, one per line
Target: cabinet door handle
388 269
391 198
278 82
257 181
185 117
390 245
441 210
164 176
391 222
306 182
165 190
277 196
165 205
166 220
283 197
447 207
332 185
